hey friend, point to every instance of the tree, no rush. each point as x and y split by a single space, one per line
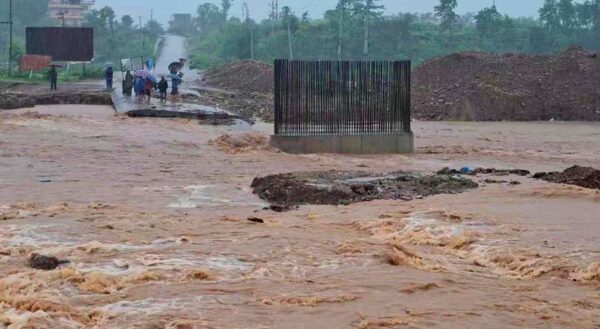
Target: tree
209 17
370 11
225 7
549 15
445 12
154 28
487 21
127 22
567 14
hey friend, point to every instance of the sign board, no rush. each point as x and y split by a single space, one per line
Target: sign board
34 62
71 44
132 64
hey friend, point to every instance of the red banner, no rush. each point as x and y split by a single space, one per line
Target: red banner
35 62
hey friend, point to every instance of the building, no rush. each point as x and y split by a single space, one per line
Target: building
69 12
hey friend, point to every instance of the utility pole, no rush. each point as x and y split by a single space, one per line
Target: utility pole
10 38
151 15
289 31
248 21
62 17
274 14
142 31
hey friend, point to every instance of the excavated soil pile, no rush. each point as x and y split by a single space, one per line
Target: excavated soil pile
490 87
343 187
10 101
244 76
249 105
580 176
251 87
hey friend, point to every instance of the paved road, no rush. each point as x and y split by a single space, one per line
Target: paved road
172 50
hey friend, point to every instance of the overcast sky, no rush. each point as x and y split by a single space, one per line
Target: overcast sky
260 8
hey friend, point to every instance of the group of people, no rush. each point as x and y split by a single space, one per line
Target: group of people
144 87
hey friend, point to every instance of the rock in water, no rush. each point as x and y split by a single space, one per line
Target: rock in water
256 220
41 262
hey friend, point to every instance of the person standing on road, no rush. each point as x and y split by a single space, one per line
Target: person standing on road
163 85
139 88
174 88
128 84
149 85
108 76
53 76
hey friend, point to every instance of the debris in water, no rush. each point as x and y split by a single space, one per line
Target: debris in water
308 300
242 143
580 176
487 171
424 287
41 262
256 220
346 187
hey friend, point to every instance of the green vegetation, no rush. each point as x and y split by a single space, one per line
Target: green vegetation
114 38
121 38
357 29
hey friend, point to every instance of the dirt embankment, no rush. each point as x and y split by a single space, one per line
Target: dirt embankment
251 87
244 76
10 101
490 87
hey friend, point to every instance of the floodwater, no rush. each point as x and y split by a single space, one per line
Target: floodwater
152 216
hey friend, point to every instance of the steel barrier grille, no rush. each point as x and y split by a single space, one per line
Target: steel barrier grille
341 97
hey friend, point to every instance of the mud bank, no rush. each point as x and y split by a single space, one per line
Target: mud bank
347 187
580 176
220 118
11 101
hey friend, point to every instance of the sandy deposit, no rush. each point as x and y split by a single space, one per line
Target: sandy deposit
154 221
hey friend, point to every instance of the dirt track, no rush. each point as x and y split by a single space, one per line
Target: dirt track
153 217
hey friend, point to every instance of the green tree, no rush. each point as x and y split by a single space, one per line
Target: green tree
549 15
445 11
567 14
225 7
209 17
127 22
371 11
488 21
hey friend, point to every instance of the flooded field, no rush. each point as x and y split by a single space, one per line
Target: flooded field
161 229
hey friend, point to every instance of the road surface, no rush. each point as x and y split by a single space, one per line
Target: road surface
172 50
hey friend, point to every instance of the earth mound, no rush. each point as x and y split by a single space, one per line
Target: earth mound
490 87
580 176
346 187
244 76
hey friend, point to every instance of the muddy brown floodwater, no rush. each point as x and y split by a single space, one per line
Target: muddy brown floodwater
152 217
